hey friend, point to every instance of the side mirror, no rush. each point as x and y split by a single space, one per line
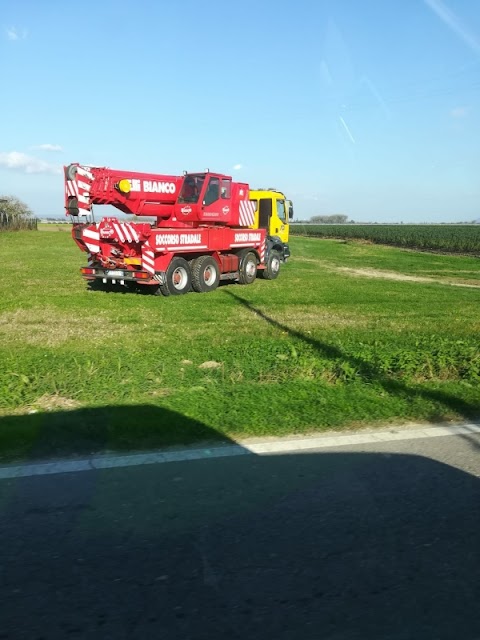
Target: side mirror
290 209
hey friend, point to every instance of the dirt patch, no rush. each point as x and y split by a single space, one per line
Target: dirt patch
394 275
160 393
55 403
210 364
403 277
388 275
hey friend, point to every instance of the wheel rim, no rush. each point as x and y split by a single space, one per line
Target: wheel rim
209 276
250 268
275 264
180 278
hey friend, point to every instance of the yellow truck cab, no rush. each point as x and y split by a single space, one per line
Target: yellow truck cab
273 212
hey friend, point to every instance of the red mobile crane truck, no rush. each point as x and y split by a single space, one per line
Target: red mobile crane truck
208 228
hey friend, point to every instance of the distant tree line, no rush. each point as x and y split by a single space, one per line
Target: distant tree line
15 215
333 219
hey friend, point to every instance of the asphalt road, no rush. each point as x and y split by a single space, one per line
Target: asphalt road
372 541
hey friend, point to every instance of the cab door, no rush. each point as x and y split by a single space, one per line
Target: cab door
280 219
265 214
216 200
273 215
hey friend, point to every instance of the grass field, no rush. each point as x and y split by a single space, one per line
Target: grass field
350 334
447 237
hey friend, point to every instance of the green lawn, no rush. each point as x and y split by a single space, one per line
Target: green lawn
327 345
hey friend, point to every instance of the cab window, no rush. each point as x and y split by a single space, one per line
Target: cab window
192 185
281 210
225 189
213 191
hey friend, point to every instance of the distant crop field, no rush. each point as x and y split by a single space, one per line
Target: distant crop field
449 238
43 226
349 334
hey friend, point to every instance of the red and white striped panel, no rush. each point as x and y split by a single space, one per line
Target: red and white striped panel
262 252
130 232
126 232
119 231
247 213
148 259
91 238
71 188
81 187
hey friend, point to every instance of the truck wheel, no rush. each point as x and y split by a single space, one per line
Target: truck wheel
272 268
205 274
248 268
177 278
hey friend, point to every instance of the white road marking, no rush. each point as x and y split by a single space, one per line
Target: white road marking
258 448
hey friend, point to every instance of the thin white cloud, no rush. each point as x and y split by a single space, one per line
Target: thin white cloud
237 167
14 34
365 80
349 133
453 22
48 147
459 112
18 161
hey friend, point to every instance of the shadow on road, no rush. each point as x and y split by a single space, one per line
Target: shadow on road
366 370
319 545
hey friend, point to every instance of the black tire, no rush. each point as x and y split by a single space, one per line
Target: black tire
178 278
272 268
247 268
205 274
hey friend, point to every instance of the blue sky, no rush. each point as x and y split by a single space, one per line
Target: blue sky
370 108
